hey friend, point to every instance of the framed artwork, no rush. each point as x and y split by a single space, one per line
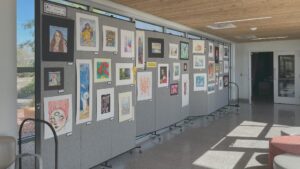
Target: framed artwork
155 48
140 49
58 39
210 50
226 52
185 90
174 89
127 44
105 104
87 32
125 106
200 82
199 62
211 71
144 86
124 74
102 70
84 91
226 66
217 79
211 88
221 52
110 39
163 75
176 71
185 66
221 67
220 83
226 80
58 112
184 51
53 78
198 46
173 50
217 67
217 54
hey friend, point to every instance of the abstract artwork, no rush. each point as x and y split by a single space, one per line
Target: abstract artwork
155 48
125 106
58 112
102 70
54 78
199 61
105 104
210 49
217 54
226 52
87 32
184 50
110 39
124 74
58 39
226 80
127 44
226 66
84 91
173 51
174 89
176 71
198 46
200 82
185 89
144 86
210 88
220 83
211 71
140 49
163 75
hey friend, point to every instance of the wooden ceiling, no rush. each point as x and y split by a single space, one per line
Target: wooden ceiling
198 14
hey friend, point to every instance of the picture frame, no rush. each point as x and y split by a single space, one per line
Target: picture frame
226 52
58 39
124 74
226 67
127 44
211 71
226 80
185 90
163 75
105 104
185 67
110 39
102 70
140 49
174 89
173 50
210 88
176 71
125 106
221 83
200 82
198 46
217 54
184 50
210 49
144 86
155 48
199 62
54 78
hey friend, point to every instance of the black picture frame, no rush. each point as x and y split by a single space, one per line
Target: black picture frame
65 51
47 85
151 54
171 92
217 54
181 46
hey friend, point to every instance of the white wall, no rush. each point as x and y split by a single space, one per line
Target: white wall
8 87
242 59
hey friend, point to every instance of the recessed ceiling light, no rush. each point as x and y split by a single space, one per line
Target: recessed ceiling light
244 20
253 28
271 38
221 26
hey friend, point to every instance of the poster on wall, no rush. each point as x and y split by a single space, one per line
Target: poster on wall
155 48
125 106
105 104
226 66
211 88
102 70
174 89
127 44
176 71
226 52
124 74
225 81
58 112
198 46
87 32
185 89
200 82
140 49
173 50
184 51
54 78
144 86
217 54
211 71
221 67
84 91
110 39
221 83
210 50
199 61
163 75
221 52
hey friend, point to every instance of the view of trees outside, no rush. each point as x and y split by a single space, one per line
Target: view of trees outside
25 59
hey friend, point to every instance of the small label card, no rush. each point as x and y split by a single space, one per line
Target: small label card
55 9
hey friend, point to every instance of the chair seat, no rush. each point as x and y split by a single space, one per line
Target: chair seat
286 161
292 131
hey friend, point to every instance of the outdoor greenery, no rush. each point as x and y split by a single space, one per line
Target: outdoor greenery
27 90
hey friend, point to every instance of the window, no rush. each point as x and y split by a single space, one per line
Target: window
175 32
101 12
71 4
193 36
148 26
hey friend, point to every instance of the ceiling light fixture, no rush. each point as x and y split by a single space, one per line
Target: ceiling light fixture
244 20
253 28
271 38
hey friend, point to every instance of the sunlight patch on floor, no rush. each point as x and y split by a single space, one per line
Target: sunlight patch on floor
253 162
254 144
253 123
246 131
275 130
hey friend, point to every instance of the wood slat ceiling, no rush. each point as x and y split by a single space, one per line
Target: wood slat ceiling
198 14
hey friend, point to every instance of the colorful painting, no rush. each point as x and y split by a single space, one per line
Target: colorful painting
155 48
58 112
220 83
217 54
54 78
110 39
174 89
226 80
127 44
184 50
173 51
144 86
198 46
124 74
87 32
200 82
185 89
84 91
199 61
211 88
163 75
140 49
176 71
211 71
210 50
226 67
125 106
102 70
226 52
105 104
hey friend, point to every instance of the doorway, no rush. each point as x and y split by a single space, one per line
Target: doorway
262 84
